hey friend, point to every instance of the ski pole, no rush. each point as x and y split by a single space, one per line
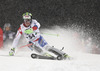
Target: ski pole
25 45
50 34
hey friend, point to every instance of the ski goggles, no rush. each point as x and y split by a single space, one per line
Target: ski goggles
27 20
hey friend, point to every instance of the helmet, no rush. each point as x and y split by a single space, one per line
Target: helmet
27 15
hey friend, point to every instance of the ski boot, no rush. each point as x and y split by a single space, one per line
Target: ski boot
12 51
63 57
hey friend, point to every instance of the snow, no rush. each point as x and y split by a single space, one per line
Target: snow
81 61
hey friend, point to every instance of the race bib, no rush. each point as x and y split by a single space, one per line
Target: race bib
28 31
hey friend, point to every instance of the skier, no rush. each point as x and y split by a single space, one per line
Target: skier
30 29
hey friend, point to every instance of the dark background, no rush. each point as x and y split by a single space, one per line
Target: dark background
83 13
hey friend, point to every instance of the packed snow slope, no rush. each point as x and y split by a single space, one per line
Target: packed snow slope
58 37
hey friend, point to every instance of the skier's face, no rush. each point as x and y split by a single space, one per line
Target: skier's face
7 28
27 22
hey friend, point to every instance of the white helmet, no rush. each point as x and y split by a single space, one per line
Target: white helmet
27 15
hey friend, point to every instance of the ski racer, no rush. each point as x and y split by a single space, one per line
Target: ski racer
30 29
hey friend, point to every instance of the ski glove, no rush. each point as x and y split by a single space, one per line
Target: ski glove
31 46
30 42
12 51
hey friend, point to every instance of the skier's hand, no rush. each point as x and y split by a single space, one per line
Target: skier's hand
31 46
30 42
12 51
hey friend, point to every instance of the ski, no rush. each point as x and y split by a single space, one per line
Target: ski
37 56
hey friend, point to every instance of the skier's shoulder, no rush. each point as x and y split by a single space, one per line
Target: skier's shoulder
34 21
20 27
21 24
